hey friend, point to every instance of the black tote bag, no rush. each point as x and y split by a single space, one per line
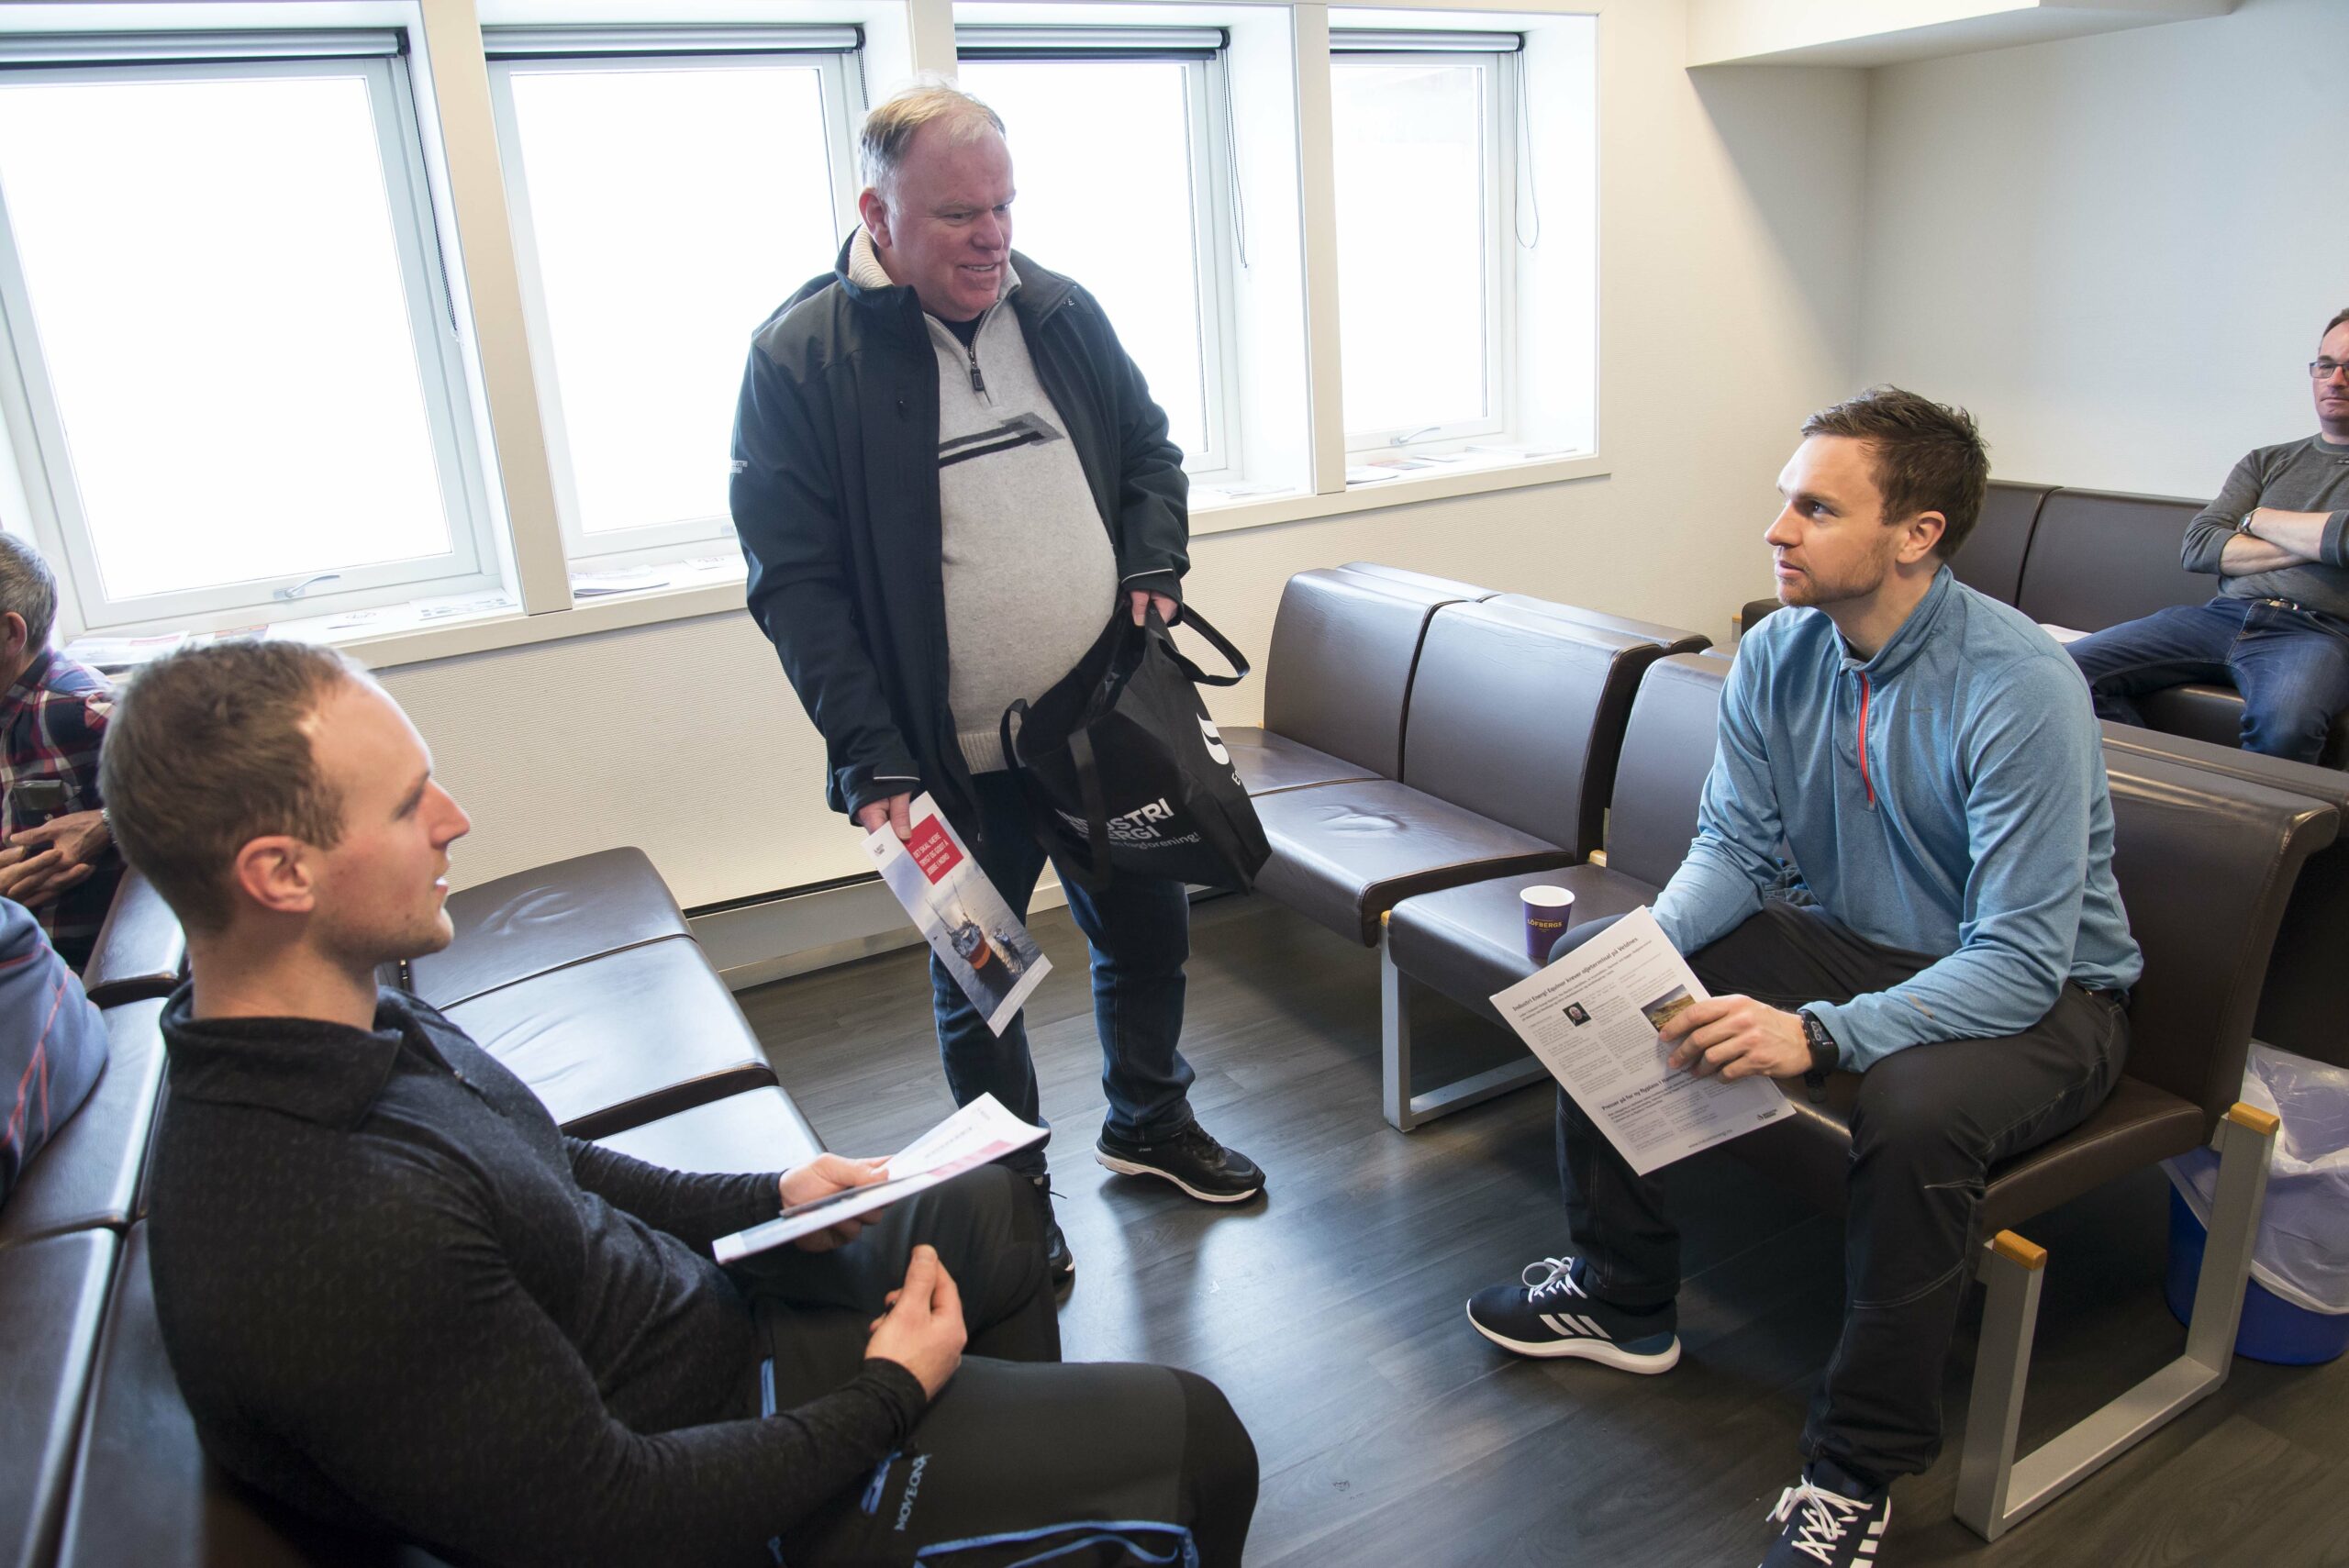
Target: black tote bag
1125 773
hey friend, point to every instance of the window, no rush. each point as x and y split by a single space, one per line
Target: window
231 338
666 199
1425 184
1116 147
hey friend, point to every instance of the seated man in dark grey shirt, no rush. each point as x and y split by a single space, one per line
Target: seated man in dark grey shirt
2277 538
397 1295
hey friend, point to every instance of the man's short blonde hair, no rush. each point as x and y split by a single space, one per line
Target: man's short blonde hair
890 130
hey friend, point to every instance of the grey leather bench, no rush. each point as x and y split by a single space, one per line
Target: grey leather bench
1513 720
1467 943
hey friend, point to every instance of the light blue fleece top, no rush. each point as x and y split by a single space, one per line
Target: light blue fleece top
1945 797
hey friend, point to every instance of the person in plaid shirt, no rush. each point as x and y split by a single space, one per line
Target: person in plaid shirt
57 857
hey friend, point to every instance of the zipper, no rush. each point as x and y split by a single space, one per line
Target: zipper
1868 783
978 382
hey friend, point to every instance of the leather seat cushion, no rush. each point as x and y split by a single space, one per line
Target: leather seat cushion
758 1129
620 1040
2307 991
1668 746
1671 639
1345 853
146 1494
2214 713
1268 761
89 1174
2137 1124
2199 711
2098 559
52 1299
1473 739
141 950
1425 586
540 919
1469 941
1990 561
1345 642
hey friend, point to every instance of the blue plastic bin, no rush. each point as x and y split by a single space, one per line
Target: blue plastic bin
2273 1328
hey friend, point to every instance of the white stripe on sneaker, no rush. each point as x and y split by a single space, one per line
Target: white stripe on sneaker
1591 1327
1561 1324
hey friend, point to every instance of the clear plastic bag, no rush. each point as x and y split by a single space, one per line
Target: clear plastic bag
2302 1253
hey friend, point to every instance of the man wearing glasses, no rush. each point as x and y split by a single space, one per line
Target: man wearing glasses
2277 538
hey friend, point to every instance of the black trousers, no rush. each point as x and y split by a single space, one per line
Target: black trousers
1930 1122
1020 1454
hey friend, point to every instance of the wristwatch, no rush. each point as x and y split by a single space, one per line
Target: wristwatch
1824 1054
2242 524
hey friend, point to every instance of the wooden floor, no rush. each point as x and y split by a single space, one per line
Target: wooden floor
1390 1434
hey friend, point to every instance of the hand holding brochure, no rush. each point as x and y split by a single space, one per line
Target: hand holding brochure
980 1131
958 913
1592 1018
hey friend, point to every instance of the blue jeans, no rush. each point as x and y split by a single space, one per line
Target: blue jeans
2291 666
1140 933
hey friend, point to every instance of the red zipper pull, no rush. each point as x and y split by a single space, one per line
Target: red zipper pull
1865 779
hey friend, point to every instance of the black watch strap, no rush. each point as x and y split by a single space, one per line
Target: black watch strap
1823 1055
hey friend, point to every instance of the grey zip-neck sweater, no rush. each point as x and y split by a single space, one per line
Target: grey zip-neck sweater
1030 573
2307 476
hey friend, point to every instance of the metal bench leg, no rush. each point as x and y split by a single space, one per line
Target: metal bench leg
1393 1037
1994 1489
1404 1109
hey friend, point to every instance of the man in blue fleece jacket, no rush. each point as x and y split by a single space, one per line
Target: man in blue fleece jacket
1903 868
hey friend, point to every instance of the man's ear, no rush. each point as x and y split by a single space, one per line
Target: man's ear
275 872
875 210
1921 534
14 635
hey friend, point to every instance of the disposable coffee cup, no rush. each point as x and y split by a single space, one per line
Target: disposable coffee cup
1548 911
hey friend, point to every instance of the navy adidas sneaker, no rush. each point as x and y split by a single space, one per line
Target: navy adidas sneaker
1547 1314
1822 1529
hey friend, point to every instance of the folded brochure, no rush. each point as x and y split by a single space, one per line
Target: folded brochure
979 1132
958 913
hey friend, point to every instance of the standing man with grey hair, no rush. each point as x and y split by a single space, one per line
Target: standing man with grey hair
946 474
57 857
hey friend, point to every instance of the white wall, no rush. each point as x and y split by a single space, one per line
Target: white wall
1731 241
2117 251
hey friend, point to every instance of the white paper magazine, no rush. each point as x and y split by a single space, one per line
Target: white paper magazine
980 1131
958 913
1592 1016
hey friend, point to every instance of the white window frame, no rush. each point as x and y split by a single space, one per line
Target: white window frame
1199 52
511 53
1498 86
28 399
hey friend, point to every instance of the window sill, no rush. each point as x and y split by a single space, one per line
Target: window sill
1440 482
398 635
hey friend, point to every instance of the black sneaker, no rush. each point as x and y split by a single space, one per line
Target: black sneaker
1547 1315
1827 1530
1060 1263
1191 1159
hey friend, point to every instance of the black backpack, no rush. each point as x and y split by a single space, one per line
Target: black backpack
1123 770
